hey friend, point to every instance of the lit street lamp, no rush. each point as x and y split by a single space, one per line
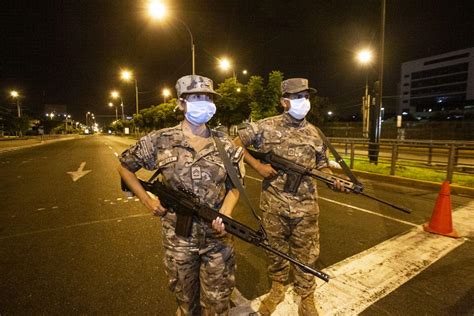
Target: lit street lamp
127 75
15 95
166 93
116 95
225 65
365 57
116 113
157 11
87 118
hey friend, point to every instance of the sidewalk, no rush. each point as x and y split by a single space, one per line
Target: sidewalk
11 144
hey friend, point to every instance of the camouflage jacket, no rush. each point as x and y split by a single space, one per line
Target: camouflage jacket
181 166
298 141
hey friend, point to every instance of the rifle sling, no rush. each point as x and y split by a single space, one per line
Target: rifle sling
233 175
338 158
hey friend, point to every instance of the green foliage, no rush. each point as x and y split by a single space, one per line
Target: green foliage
158 116
265 101
17 125
319 108
233 107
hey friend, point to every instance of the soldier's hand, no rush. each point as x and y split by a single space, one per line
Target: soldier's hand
153 204
266 170
338 186
218 226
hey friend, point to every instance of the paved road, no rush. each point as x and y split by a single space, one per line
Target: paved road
81 247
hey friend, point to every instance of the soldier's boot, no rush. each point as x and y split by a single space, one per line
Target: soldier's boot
307 306
275 297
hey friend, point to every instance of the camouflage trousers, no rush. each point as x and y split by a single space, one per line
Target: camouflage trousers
200 268
298 237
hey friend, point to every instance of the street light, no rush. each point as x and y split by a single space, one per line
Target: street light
115 94
15 95
365 57
225 65
87 118
166 93
127 75
157 11
116 113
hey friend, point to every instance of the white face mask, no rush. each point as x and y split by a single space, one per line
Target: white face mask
299 108
199 112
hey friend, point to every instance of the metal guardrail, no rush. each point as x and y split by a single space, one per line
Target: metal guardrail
450 156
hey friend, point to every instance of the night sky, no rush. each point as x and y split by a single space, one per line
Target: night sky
70 52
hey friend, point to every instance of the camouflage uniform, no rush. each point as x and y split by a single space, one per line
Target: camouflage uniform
291 220
201 267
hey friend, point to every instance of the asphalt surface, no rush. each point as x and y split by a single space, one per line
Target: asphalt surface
83 248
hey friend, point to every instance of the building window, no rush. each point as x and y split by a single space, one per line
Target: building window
406 84
440 60
439 80
439 90
440 71
406 76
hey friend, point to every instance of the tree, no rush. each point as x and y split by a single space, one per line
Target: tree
158 116
265 101
319 109
233 107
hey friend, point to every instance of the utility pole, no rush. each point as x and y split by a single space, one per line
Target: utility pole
376 122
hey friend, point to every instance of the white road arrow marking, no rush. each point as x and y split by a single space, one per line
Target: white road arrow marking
76 175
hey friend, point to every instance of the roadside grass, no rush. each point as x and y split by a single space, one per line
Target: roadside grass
413 172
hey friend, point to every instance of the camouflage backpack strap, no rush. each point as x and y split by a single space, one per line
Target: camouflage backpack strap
234 178
338 158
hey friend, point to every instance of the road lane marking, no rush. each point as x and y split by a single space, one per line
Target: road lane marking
354 207
79 173
73 226
367 211
359 281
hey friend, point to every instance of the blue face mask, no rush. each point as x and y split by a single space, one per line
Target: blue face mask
199 112
299 108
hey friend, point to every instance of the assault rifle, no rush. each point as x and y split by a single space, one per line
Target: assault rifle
186 205
296 172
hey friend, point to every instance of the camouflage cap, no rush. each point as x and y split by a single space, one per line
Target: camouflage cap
194 84
295 85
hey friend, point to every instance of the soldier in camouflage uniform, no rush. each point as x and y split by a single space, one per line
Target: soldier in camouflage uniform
201 267
290 219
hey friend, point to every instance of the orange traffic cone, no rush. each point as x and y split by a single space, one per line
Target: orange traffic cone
441 221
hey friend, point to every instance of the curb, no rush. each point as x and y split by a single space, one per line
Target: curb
44 142
429 185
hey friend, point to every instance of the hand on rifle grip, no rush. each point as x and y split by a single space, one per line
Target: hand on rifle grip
266 170
153 204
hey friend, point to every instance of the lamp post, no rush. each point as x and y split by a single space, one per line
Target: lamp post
157 10
127 75
166 93
115 94
15 95
87 118
116 113
365 57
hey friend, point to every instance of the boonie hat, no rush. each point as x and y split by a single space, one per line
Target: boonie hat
295 85
194 84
